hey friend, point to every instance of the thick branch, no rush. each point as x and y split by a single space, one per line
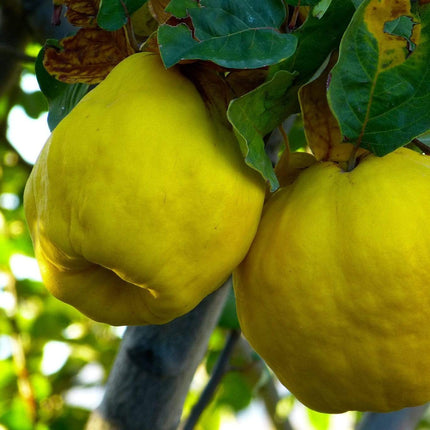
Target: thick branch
154 368
405 419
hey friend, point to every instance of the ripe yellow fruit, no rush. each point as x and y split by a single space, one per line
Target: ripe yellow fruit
140 204
334 293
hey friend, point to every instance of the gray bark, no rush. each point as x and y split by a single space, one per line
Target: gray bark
405 419
154 368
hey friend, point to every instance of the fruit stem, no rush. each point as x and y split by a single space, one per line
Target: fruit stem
352 162
129 29
284 135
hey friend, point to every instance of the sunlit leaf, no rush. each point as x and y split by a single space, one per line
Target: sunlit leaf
17 417
41 386
7 380
318 420
380 88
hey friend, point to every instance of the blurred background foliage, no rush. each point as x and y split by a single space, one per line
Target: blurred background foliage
54 361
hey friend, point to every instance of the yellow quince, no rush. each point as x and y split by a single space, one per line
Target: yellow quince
334 293
140 203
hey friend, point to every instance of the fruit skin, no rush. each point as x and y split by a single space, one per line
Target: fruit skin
140 204
334 293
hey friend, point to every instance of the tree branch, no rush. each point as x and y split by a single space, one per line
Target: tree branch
154 368
218 372
405 419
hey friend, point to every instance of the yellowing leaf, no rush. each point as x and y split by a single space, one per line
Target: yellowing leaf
157 9
88 56
393 49
321 127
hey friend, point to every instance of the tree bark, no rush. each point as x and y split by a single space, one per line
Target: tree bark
154 368
405 419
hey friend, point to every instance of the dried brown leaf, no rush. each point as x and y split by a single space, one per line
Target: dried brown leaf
82 13
321 127
88 56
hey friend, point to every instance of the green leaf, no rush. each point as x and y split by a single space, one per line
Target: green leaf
234 392
33 103
228 318
320 9
234 35
179 8
325 33
380 87
318 420
257 113
302 2
17 417
113 14
61 97
403 27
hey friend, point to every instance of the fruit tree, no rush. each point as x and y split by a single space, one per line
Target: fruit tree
230 210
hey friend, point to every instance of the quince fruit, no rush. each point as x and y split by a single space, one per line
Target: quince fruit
334 293
140 203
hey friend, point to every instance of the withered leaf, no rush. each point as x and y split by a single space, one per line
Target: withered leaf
88 56
321 127
82 13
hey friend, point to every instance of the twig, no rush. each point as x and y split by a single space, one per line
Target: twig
217 375
293 21
271 398
129 28
422 146
6 50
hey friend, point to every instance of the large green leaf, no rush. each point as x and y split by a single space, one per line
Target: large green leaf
113 14
235 35
380 87
257 113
